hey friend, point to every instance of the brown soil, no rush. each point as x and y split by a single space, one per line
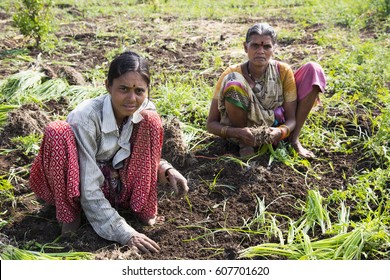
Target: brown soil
190 227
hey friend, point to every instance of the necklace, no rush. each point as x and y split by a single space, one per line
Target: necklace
258 83
120 128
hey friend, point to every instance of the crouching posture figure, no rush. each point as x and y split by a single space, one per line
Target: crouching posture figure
106 156
264 92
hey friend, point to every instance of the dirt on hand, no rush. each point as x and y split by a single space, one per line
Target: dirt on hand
262 135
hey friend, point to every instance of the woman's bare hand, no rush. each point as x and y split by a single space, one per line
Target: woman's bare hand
245 136
141 242
275 134
177 181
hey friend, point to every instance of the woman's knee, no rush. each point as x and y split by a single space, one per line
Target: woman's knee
151 122
58 128
234 76
151 118
312 67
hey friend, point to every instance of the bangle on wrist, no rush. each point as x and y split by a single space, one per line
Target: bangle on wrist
224 130
166 172
285 133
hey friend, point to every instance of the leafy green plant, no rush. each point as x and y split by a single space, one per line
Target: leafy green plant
33 18
368 192
285 154
382 6
28 144
184 98
6 191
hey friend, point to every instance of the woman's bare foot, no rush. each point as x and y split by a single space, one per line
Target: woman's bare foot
302 151
69 228
154 220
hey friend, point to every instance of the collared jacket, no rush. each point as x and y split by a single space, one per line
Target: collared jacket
99 141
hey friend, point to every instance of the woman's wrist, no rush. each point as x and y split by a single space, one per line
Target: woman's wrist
284 130
166 173
163 169
224 131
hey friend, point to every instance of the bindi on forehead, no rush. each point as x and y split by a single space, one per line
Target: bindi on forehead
261 40
264 42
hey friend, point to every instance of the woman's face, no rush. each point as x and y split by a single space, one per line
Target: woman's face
128 92
259 49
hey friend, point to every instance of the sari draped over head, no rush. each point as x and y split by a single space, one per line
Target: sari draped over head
259 102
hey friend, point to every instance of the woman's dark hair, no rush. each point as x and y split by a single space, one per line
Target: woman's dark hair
261 29
126 62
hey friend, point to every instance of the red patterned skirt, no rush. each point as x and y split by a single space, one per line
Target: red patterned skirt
54 175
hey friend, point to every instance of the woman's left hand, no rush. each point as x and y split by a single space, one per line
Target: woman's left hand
275 134
177 181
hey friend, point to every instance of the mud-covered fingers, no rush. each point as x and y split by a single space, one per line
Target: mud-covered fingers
280 134
275 134
143 243
170 175
246 137
182 187
178 182
148 247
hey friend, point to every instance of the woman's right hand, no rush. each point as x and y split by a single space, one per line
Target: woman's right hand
177 181
245 136
141 242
